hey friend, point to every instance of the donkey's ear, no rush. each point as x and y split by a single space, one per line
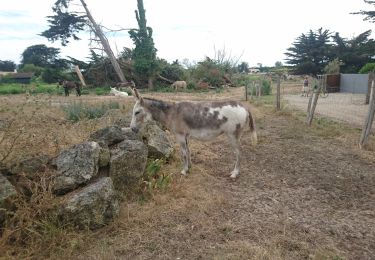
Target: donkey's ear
137 95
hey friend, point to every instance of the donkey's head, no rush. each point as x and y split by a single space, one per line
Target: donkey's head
140 112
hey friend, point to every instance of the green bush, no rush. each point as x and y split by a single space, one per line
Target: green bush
102 91
11 89
266 88
369 67
77 111
153 178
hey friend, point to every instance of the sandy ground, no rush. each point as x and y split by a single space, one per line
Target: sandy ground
349 108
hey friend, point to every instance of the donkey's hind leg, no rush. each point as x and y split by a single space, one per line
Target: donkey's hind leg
235 142
185 154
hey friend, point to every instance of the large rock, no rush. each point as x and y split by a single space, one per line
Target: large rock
76 166
128 162
92 206
129 134
110 135
159 145
7 193
29 167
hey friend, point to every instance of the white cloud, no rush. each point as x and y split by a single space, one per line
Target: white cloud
260 30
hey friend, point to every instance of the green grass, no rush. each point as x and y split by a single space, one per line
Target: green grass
77 111
7 89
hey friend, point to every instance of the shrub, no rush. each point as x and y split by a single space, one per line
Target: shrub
369 67
101 91
11 89
153 178
32 68
77 111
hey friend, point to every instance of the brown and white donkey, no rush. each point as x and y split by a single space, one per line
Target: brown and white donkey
200 120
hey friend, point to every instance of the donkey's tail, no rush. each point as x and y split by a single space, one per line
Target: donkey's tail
254 138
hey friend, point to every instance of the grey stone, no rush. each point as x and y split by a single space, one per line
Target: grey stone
104 156
76 166
7 192
129 134
92 206
159 145
110 135
128 162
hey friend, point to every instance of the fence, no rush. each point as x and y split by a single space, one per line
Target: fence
354 83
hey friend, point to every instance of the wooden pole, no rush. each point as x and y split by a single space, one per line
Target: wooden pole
371 77
278 105
313 106
80 76
369 119
246 91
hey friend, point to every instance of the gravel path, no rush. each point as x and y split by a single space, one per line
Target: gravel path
349 108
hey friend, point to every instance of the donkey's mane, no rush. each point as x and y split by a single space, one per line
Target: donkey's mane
158 104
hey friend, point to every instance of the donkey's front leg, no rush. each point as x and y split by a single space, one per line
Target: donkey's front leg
182 139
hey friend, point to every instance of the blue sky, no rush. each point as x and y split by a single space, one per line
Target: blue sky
254 31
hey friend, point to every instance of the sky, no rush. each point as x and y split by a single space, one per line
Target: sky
247 30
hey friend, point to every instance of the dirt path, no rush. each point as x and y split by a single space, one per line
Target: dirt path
349 108
299 196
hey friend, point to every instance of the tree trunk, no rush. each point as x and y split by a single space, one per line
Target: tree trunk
80 76
107 48
150 83
165 79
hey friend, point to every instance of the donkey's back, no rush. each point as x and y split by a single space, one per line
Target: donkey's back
206 120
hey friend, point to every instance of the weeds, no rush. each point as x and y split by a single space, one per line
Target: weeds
153 178
34 226
77 111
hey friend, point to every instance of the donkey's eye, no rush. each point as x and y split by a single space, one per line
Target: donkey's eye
136 113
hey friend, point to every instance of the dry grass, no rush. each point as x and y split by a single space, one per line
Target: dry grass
304 193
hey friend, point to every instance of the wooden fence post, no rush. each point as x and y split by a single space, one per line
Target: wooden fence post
369 119
312 104
246 91
371 77
278 105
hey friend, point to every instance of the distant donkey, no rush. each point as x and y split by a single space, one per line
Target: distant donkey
67 85
200 120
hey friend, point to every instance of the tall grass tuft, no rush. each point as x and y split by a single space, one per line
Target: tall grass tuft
77 111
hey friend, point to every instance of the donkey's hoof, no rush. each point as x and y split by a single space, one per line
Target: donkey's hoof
184 172
234 174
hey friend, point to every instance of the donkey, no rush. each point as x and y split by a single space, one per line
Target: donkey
200 120
67 85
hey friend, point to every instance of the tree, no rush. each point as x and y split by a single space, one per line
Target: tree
354 53
278 64
369 67
243 67
333 67
369 15
7 65
144 53
310 52
65 24
42 56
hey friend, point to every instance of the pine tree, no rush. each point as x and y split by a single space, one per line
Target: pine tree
144 54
